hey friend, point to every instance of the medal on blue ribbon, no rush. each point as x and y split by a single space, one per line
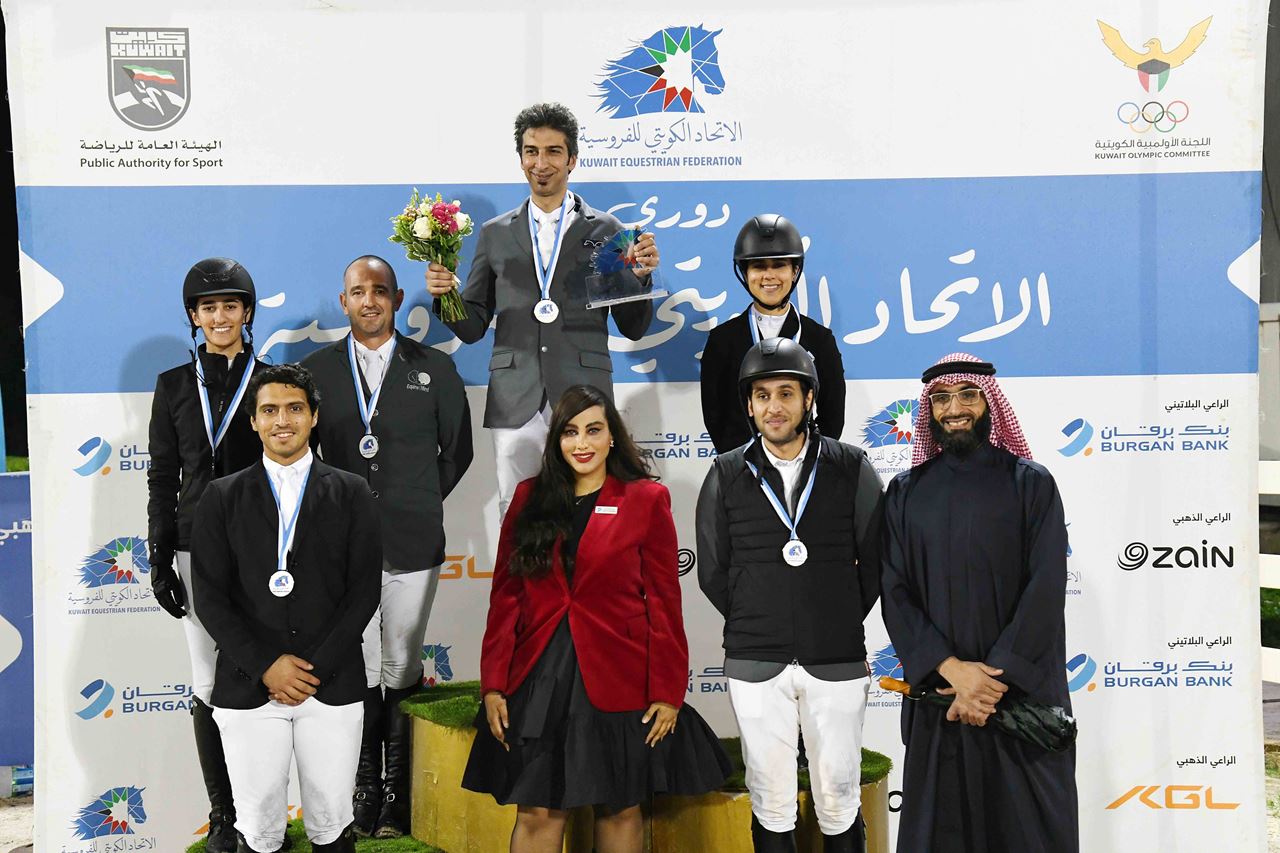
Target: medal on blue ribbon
368 444
794 553
281 582
546 311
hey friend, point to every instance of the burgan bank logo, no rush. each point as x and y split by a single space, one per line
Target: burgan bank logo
120 561
1081 670
99 694
1153 66
114 812
667 72
93 457
148 80
1079 433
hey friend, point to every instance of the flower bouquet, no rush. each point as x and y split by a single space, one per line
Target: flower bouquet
433 231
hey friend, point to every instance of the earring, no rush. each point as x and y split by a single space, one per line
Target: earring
611 444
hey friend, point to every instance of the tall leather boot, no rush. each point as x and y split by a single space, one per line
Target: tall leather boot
393 821
852 840
217 784
367 799
764 841
344 843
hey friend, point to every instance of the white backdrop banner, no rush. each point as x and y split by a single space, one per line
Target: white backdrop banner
1070 191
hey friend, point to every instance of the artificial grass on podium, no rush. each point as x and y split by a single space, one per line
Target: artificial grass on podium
455 705
298 835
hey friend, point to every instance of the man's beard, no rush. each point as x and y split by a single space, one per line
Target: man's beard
962 442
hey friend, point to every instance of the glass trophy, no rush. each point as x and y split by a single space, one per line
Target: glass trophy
616 275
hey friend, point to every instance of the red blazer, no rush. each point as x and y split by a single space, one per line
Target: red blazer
624 608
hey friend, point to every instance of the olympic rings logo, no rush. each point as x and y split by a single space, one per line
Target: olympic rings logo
1152 114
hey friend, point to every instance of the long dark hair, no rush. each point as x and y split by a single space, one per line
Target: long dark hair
548 514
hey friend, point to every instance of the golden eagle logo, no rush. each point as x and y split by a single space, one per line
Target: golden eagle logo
1155 61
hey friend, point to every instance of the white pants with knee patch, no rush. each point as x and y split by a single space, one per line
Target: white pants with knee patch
392 641
259 743
771 714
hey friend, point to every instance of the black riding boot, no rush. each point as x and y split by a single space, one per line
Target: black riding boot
393 821
367 799
764 841
852 840
213 764
344 843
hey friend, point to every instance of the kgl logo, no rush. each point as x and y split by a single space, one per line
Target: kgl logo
1173 797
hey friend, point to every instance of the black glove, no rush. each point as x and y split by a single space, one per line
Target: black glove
168 589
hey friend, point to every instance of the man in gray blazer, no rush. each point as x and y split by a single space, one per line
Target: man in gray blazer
546 338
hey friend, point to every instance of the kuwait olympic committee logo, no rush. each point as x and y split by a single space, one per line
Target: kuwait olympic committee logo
115 812
120 561
1153 66
147 75
666 73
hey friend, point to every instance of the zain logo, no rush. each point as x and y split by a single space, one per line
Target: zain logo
438 657
891 426
99 693
1080 433
120 561
94 453
1080 672
685 561
666 73
116 812
1136 554
885 663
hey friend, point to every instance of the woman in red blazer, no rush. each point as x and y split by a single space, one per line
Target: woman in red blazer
584 663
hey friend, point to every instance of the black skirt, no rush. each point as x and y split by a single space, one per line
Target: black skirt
566 753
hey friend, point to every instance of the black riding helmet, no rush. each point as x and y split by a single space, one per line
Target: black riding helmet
767 235
219 277
776 357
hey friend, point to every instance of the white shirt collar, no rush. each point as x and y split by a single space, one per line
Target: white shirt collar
275 470
542 217
384 350
783 463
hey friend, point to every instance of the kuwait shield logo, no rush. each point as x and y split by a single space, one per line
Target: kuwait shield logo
148 75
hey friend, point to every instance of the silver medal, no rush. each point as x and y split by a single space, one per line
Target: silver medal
368 446
281 584
794 553
546 311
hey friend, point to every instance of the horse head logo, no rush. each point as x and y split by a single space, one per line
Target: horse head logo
115 812
667 72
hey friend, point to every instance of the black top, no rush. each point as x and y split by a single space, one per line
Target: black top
423 427
775 612
182 463
583 506
336 558
723 408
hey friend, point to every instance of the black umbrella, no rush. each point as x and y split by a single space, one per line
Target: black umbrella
1046 726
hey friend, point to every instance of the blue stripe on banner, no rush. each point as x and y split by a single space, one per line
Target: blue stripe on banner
1124 274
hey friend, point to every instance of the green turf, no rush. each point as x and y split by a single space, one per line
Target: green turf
15 464
455 705
363 845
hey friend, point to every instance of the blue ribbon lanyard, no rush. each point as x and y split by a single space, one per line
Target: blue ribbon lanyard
545 274
779 507
755 330
367 407
284 537
229 416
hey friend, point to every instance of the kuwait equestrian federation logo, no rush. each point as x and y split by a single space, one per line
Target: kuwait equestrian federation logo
885 664
435 665
669 72
891 426
120 561
115 812
148 75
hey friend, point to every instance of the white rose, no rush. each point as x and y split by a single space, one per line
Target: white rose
422 227
464 221
424 208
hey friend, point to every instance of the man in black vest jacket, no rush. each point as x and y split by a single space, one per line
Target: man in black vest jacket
768 257
396 414
286 557
788 552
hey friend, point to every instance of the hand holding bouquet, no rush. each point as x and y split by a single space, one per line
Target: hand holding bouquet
432 231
